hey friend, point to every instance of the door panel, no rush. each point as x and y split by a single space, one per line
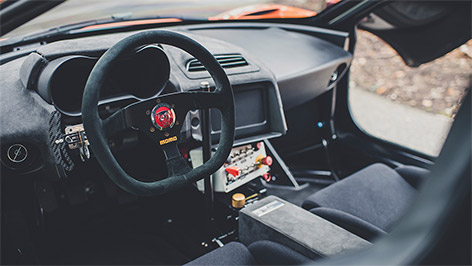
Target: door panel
421 31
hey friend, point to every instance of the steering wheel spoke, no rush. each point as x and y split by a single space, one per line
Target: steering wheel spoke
115 123
165 113
176 164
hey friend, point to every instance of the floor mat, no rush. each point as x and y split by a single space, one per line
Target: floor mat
121 250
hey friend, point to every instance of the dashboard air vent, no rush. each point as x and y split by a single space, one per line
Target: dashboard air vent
226 61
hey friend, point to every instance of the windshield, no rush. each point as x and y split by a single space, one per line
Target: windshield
74 11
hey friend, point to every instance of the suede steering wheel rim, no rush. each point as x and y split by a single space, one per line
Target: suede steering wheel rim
160 118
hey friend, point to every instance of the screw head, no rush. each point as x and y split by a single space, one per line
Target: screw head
152 129
148 112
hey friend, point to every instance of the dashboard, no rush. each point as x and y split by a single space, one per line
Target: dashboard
141 75
273 68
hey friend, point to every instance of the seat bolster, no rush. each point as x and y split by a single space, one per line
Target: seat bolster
271 253
310 203
412 174
376 194
349 222
233 253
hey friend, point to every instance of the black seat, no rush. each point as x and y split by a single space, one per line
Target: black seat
368 202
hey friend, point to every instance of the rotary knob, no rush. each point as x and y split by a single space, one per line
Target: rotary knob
267 177
267 161
238 200
262 160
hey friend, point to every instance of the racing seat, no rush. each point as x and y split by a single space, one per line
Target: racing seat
368 202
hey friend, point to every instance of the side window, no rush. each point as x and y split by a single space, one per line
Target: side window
413 107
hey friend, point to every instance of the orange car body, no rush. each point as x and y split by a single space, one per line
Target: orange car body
263 12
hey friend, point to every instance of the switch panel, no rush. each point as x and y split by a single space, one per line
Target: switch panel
244 164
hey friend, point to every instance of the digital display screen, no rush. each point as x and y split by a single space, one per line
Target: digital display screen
250 111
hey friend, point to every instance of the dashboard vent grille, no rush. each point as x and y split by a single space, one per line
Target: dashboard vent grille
226 61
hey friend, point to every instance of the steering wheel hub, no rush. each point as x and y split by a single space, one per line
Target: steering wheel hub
163 116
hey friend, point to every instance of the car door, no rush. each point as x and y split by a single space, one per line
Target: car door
419 32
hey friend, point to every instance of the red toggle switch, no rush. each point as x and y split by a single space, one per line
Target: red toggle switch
267 161
233 170
267 177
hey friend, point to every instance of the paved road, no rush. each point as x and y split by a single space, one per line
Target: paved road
413 128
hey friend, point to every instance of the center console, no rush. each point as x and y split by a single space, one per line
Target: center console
280 221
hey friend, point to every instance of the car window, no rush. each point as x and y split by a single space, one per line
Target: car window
413 107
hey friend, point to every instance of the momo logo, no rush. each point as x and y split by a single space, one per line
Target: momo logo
168 140
163 116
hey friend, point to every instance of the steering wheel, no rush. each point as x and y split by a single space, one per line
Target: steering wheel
160 118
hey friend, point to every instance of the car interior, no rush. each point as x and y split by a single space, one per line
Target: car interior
210 143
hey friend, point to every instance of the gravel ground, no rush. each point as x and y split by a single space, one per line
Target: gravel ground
437 87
